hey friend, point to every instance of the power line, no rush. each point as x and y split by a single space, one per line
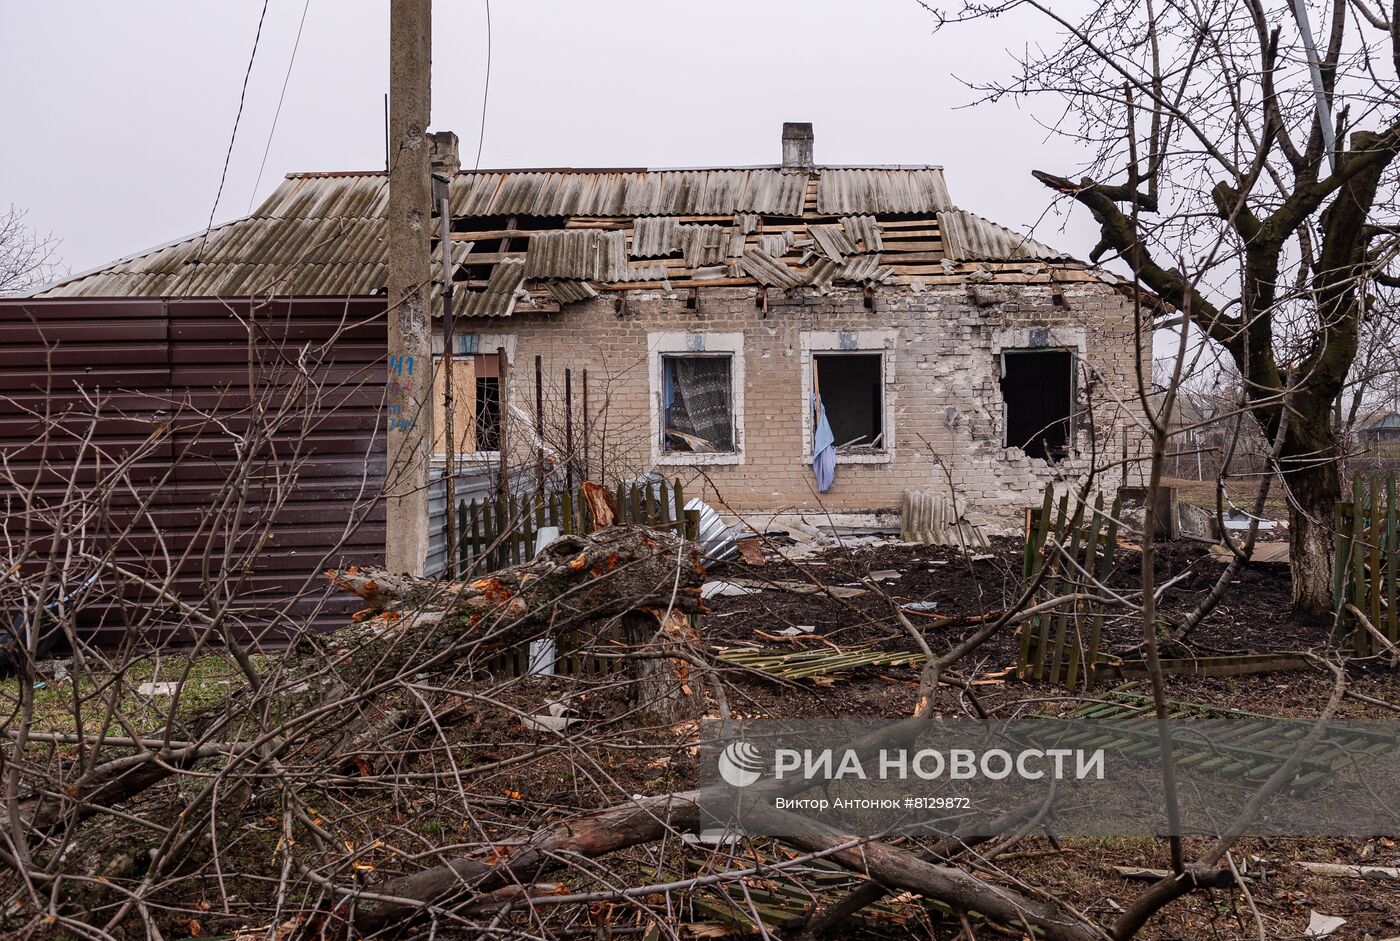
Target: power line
278 113
485 92
242 96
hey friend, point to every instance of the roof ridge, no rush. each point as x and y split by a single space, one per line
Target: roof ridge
910 167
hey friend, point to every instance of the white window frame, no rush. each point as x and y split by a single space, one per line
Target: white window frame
474 344
868 342
661 345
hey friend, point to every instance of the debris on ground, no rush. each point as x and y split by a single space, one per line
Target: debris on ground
1320 925
1265 553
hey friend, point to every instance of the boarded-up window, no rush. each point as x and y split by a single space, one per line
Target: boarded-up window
476 409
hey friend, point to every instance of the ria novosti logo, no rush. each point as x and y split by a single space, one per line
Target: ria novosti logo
740 764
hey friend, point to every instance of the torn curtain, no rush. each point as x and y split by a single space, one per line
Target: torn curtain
699 401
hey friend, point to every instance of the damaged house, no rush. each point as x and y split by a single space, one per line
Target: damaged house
733 323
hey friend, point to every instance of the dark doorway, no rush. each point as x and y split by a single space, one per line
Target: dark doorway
852 390
1038 388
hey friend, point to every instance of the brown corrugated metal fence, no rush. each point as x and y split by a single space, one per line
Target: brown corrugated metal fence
222 451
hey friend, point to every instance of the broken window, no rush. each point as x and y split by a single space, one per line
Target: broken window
698 413
488 413
1038 389
476 404
851 388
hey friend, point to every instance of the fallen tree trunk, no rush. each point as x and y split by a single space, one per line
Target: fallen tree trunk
643 820
414 627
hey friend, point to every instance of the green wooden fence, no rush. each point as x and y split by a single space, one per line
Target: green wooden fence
492 534
1062 646
1366 565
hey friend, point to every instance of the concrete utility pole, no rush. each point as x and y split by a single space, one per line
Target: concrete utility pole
410 377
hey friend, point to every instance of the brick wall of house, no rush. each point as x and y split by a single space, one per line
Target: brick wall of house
945 404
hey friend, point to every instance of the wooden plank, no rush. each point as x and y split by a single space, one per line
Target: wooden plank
1376 584
1033 561
1105 566
1360 639
502 550
1071 582
1049 589
465 550
1341 527
1091 553
1392 558
478 547
1265 553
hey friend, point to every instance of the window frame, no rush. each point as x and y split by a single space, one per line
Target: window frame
470 346
660 346
853 342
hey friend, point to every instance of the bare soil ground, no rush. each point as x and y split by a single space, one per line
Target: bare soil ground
1254 617
521 779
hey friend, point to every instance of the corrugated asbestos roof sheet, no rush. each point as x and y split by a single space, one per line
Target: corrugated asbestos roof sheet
863 230
969 237
324 234
499 297
568 292
655 236
768 270
842 192
636 193
579 254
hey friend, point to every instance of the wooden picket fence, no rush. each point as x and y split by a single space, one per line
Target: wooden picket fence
574 655
1366 565
1053 645
493 534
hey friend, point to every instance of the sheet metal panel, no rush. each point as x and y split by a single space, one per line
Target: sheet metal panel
125 372
472 483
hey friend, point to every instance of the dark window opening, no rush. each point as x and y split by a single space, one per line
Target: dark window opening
1038 389
852 391
698 406
488 413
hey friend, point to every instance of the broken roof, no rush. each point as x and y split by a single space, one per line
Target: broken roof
552 236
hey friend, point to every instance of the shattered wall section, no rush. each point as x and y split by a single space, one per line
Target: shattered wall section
943 394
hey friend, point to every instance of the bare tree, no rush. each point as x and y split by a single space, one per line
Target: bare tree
1235 135
27 259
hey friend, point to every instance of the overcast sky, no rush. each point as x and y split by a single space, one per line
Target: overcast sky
117 116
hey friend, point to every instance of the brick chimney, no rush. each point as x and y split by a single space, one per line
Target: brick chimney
442 153
797 145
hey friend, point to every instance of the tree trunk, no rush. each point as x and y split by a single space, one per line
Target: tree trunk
661 686
1315 492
